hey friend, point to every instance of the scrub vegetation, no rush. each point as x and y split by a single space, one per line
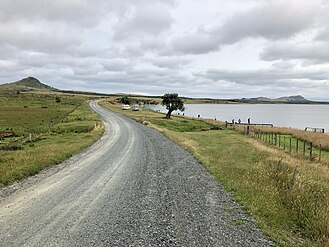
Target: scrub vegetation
286 195
45 129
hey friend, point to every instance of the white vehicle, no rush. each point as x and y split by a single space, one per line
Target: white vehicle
125 107
135 107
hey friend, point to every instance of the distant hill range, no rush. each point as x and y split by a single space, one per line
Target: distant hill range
31 84
286 99
25 85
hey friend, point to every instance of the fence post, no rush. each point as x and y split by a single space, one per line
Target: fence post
275 136
296 146
284 142
279 141
290 145
272 136
304 147
311 147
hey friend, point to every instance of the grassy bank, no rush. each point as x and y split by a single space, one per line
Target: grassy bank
287 196
46 132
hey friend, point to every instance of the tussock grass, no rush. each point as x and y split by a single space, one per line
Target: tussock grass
288 197
315 137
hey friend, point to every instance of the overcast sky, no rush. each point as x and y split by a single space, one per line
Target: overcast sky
209 48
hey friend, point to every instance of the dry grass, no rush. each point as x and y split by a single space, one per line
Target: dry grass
318 139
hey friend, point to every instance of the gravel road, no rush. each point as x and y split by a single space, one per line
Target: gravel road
134 187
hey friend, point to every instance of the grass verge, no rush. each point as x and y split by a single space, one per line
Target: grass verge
287 196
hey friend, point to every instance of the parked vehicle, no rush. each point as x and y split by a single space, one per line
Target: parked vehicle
125 107
135 108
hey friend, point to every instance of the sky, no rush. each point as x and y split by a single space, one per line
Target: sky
209 48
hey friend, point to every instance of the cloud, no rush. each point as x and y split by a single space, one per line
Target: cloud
274 76
169 62
118 64
77 12
140 21
39 36
317 52
272 20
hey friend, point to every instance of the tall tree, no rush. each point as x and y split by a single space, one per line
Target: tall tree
172 103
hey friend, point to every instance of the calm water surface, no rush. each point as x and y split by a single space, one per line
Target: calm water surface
281 115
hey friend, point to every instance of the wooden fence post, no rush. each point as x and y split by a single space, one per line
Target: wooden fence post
304 147
275 137
296 146
311 147
290 145
284 142
279 141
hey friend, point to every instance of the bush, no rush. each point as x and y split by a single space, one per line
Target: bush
11 147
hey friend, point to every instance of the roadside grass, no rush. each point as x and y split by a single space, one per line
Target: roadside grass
287 196
315 137
294 141
146 116
57 132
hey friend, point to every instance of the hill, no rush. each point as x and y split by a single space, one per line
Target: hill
25 85
298 99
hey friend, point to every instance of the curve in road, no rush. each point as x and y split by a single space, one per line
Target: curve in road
134 187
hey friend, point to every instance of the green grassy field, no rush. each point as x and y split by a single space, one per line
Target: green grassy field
287 196
46 132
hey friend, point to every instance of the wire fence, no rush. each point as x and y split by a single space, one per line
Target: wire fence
287 143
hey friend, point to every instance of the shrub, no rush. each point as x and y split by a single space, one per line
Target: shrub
11 147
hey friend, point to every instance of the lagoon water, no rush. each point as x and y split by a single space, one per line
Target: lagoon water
281 115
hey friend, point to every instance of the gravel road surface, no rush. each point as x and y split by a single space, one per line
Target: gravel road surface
134 187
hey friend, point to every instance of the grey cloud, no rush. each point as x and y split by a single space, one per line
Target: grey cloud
79 12
169 62
315 51
273 20
271 76
91 69
198 42
38 36
151 19
118 64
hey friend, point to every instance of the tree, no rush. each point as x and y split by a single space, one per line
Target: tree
172 103
125 100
